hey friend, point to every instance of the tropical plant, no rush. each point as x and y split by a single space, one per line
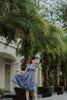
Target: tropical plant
22 21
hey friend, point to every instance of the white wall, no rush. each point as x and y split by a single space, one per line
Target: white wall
2 73
7 50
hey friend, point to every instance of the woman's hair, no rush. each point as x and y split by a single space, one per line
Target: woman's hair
33 59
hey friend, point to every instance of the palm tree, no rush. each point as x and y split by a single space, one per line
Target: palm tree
22 21
58 46
64 70
64 62
55 46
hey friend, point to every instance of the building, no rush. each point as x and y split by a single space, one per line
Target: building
9 63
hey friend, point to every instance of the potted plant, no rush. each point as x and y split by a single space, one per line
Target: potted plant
59 89
45 91
20 94
66 89
39 90
2 91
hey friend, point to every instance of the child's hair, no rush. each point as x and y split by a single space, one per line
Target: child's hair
32 59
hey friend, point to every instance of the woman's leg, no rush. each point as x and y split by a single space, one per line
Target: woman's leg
27 95
35 95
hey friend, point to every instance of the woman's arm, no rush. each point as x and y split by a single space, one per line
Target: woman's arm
22 71
36 75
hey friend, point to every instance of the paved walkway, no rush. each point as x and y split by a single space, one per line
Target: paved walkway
53 97
56 97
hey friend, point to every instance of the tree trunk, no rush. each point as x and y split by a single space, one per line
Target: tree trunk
47 78
27 60
57 77
65 82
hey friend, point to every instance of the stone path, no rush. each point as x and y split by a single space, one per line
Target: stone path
56 97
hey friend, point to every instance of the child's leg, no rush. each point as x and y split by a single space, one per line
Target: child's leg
27 95
35 95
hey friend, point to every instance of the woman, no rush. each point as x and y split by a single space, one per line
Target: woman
28 79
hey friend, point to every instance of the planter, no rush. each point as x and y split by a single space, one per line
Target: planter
66 89
59 89
19 91
20 94
30 97
22 97
18 97
39 90
46 95
45 91
58 93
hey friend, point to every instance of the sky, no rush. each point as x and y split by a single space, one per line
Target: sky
53 5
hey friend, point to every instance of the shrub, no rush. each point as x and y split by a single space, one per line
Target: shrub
59 88
2 92
51 88
42 90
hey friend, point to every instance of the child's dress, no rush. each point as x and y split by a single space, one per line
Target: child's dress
26 80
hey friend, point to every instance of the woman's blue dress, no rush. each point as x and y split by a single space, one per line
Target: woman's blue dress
26 80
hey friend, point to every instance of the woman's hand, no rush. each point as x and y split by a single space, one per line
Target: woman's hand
35 82
21 71
17 70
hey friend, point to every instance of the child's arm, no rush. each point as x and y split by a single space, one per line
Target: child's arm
22 71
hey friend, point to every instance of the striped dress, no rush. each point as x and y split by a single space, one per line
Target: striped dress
26 80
